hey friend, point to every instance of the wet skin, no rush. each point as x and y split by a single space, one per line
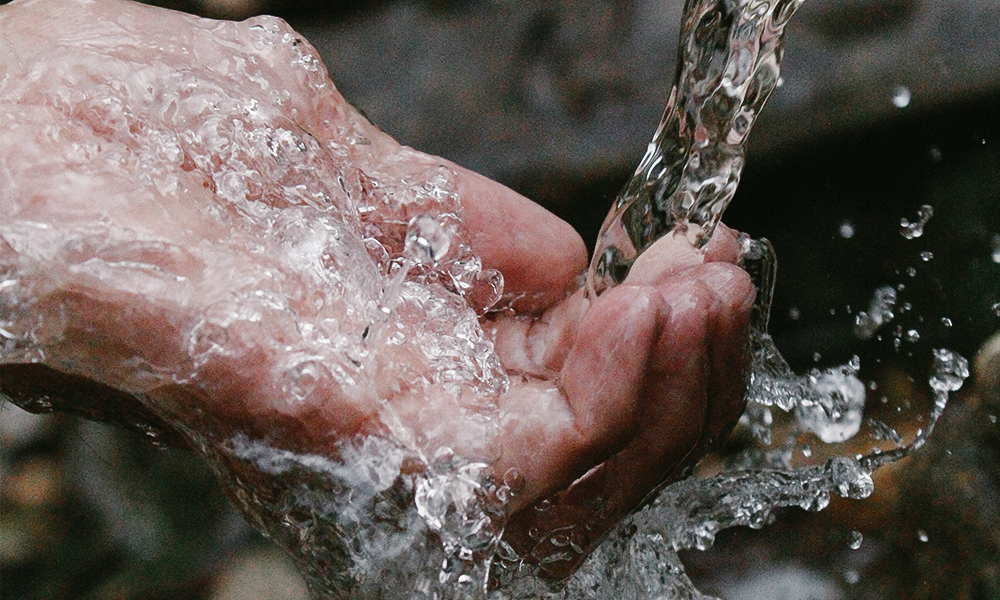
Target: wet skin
607 398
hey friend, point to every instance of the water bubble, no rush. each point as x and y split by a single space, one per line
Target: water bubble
949 371
514 480
846 230
901 97
912 272
807 451
879 312
926 255
996 249
854 540
946 321
834 405
922 535
912 335
794 313
993 419
849 478
303 379
852 577
427 240
916 229
935 154
996 309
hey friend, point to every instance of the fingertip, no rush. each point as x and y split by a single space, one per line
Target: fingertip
669 255
724 246
732 286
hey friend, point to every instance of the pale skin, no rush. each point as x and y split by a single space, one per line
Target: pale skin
608 397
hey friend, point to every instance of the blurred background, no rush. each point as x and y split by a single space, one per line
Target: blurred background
886 106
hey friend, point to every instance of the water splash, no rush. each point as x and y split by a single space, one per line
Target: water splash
728 65
855 539
880 312
912 230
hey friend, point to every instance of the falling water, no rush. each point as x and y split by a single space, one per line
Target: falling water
728 65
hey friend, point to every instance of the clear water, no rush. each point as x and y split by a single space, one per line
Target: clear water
399 515
728 65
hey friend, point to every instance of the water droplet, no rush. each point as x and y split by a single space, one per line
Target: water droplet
922 535
880 312
427 240
926 255
949 371
303 379
849 479
854 540
916 229
846 230
514 480
901 97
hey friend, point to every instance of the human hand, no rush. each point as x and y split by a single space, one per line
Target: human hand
198 221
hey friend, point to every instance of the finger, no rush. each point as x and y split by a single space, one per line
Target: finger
672 417
540 255
673 254
700 353
555 431
41 389
538 346
730 351
725 246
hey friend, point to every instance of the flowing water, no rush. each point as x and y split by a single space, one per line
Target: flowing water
394 516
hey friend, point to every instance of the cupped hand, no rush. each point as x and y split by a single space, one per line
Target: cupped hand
198 229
